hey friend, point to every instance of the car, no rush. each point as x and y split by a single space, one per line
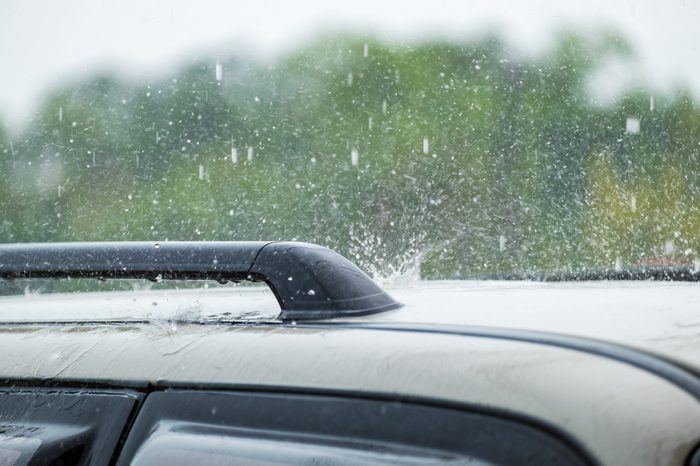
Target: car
340 372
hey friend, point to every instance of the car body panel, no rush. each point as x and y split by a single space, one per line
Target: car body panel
659 317
603 403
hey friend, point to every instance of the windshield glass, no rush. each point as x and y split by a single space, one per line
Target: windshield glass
450 140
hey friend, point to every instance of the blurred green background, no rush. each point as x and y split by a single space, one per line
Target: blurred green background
459 158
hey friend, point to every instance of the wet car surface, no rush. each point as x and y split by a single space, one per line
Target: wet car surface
499 372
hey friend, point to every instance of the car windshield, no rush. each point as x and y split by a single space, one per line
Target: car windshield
447 140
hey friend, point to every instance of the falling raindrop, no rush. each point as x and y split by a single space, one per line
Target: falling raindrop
669 247
60 113
651 103
349 79
426 146
250 153
234 155
632 125
365 51
201 172
384 105
369 123
354 157
219 71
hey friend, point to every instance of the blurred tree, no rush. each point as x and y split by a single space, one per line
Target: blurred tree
464 158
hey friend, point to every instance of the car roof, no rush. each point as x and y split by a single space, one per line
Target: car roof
656 316
557 353
659 317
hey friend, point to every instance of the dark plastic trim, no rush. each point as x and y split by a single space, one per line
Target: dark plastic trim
682 273
309 281
694 457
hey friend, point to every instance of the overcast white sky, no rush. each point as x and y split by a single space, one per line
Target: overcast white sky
43 43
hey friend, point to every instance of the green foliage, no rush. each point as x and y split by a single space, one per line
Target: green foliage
458 156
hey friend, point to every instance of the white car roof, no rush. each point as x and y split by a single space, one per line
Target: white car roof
660 317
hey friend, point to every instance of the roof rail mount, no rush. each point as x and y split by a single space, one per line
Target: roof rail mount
310 282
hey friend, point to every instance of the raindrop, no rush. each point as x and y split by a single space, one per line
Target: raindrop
632 125
60 113
349 79
384 104
502 243
651 103
426 146
219 71
669 247
250 153
201 172
369 123
365 51
234 155
354 157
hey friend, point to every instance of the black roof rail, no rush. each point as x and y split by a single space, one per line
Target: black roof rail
310 282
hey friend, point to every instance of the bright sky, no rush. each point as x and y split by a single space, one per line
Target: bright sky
43 43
